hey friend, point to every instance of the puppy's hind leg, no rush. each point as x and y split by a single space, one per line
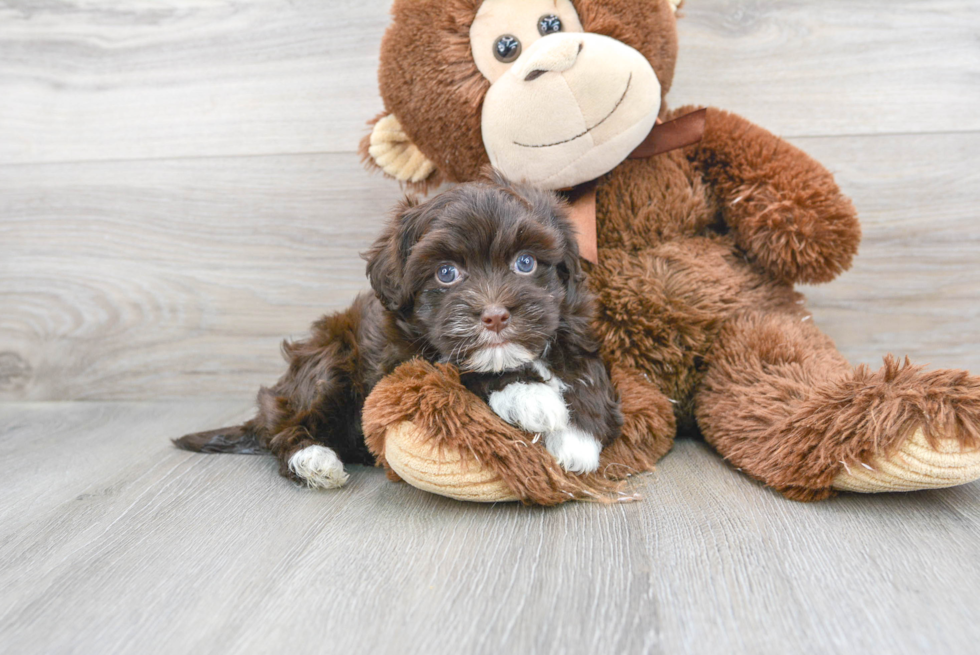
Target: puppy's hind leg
317 466
305 459
312 414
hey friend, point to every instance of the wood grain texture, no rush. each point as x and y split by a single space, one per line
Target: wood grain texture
95 80
833 67
148 278
174 278
914 288
127 545
140 280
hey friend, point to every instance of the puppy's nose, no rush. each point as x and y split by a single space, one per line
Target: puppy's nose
495 318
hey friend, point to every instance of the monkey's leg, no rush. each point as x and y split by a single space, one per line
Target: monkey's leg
427 429
783 405
649 426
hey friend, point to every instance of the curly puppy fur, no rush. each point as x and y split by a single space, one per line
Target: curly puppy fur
514 316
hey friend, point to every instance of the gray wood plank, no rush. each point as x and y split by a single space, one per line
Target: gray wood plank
915 285
193 553
146 279
834 67
90 80
57 453
84 80
141 280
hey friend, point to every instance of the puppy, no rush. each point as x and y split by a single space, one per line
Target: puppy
485 276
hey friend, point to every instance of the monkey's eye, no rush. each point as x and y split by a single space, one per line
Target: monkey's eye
525 264
447 274
506 48
549 25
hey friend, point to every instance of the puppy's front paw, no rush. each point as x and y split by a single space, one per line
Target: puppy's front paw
319 467
534 406
576 450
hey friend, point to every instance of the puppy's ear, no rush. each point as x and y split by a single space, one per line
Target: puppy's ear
570 268
387 257
385 262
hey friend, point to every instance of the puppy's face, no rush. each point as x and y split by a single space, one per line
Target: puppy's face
482 275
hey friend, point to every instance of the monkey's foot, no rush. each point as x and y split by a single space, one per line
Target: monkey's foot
452 473
916 465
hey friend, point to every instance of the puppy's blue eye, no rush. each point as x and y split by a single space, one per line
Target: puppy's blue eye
525 264
447 273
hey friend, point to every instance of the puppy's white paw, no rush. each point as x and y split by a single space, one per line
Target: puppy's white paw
534 406
576 450
319 467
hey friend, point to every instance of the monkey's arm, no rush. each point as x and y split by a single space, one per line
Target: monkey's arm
783 207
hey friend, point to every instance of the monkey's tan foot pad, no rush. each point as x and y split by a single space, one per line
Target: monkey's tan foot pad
446 472
917 465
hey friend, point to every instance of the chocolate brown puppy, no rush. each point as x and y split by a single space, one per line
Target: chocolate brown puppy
485 276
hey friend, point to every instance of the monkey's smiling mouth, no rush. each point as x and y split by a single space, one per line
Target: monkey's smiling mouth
578 136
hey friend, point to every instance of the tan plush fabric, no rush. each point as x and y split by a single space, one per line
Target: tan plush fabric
916 465
452 473
395 154
430 81
517 18
571 125
452 429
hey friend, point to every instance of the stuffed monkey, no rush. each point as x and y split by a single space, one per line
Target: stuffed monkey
696 254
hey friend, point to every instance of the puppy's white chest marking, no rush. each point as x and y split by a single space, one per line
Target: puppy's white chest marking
319 467
534 406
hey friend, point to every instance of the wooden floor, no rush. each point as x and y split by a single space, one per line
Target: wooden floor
113 542
179 190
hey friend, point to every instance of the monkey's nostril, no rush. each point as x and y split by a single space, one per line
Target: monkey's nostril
533 75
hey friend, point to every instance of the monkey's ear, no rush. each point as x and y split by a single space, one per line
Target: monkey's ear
391 150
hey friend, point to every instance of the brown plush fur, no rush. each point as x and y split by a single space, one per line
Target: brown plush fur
698 254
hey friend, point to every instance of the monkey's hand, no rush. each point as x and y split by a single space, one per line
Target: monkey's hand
783 207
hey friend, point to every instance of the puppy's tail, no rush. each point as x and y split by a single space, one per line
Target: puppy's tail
234 439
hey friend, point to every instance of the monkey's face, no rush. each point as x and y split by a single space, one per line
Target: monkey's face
564 106
551 92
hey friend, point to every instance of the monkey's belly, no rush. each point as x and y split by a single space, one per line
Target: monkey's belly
659 310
